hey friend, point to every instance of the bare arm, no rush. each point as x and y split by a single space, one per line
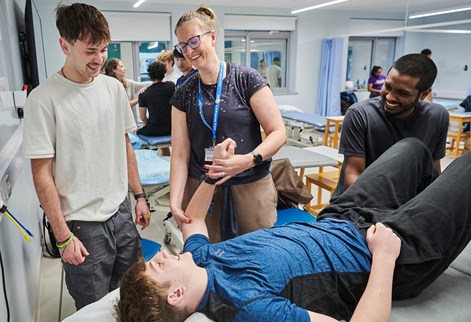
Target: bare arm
354 167
437 165
142 211
375 303
268 115
179 164
143 114
48 196
201 200
133 102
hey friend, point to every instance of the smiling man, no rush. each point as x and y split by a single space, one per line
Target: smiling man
374 125
82 184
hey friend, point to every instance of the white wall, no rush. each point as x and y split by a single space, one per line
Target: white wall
450 52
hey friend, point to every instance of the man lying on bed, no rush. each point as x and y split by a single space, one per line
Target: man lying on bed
342 266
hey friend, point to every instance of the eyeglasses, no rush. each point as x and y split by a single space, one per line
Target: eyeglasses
193 42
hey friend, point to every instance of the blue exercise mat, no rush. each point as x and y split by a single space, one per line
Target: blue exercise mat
149 248
294 215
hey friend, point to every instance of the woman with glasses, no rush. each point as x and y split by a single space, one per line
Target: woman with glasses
220 101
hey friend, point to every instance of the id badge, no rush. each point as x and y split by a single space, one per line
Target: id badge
208 154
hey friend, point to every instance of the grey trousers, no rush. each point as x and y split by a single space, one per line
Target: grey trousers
432 216
113 246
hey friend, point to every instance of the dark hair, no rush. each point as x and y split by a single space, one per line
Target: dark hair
142 299
276 59
417 65
204 15
110 66
177 54
426 52
80 21
156 70
375 70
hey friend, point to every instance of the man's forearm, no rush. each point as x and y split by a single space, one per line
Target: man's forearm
375 303
200 202
133 172
49 197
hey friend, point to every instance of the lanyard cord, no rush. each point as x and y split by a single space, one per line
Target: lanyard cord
217 102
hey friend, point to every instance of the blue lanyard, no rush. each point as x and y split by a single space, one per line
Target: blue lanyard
217 103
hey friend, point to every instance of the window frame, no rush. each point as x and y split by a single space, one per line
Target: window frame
248 35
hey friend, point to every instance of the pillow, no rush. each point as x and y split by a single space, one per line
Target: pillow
103 311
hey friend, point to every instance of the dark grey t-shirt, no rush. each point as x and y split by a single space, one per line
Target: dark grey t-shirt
368 131
236 119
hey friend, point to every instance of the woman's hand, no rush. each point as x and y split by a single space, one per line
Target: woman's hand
225 164
179 216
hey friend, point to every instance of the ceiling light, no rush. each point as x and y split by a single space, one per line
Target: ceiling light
443 31
440 12
137 4
318 6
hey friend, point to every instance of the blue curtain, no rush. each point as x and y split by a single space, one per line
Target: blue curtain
328 98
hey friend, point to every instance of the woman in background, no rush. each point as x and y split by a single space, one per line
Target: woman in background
115 68
223 101
155 102
376 81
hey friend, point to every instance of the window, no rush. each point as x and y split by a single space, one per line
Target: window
136 56
267 52
364 53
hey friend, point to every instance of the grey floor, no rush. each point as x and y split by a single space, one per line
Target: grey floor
55 302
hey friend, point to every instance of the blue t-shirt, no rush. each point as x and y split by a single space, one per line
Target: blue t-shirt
278 274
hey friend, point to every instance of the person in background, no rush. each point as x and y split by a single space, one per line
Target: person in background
262 68
115 68
75 134
388 237
223 100
372 126
274 73
166 58
427 52
184 66
376 81
156 101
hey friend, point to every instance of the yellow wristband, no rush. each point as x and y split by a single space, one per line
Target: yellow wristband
67 242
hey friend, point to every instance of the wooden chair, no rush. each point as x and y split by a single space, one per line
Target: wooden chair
324 181
458 149
332 139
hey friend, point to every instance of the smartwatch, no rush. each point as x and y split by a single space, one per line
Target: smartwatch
257 158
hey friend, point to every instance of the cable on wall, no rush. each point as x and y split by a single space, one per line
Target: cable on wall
4 288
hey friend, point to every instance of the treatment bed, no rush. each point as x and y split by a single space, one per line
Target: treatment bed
446 300
305 129
149 142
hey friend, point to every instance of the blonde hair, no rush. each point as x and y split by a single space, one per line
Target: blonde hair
166 55
204 15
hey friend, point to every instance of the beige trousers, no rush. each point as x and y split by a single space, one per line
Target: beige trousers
254 203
